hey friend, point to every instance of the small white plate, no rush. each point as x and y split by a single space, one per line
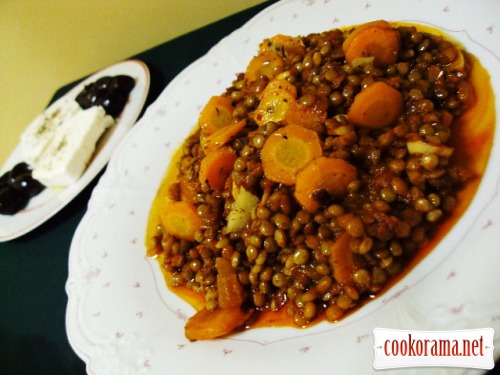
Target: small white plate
51 200
121 318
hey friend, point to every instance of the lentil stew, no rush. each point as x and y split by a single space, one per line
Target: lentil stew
320 176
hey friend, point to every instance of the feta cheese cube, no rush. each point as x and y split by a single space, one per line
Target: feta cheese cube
71 148
38 135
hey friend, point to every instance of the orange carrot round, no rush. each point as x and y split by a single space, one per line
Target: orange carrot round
307 116
376 106
330 175
287 151
180 219
230 291
207 325
283 45
217 113
265 65
221 136
375 40
360 28
216 167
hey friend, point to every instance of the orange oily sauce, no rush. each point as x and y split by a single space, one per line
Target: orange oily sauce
472 139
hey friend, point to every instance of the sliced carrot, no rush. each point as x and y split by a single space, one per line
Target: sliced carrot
307 116
360 28
287 151
217 113
376 106
283 45
216 167
375 40
276 100
341 259
264 65
180 219
323 175
221 136
230 291
207 325
224 267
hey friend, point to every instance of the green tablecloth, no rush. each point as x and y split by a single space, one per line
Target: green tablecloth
34 268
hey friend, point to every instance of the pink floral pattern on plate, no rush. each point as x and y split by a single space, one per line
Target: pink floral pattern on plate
121 319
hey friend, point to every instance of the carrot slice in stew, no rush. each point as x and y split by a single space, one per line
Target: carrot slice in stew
322 176
207 325
307 116
283 45
216 167
230 291
287 151
221 136
376 106
375 39
180 219
265 65
341 259
360 28
217 113
224 267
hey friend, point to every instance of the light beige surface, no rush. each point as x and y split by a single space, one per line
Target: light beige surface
47 44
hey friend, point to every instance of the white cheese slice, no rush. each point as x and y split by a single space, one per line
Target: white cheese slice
71 148
38 135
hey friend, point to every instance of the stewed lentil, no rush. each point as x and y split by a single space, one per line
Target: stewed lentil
254 246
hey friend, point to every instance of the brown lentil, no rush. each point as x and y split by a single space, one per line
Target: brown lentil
283 255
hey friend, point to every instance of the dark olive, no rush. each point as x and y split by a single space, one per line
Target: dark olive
98 96
126 82
4 179
17 186
109 92
101 83
18 169
27 184
12 200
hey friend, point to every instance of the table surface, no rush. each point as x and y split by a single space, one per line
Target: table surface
34 268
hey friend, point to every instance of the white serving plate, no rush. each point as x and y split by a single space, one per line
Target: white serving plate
52 200
121 319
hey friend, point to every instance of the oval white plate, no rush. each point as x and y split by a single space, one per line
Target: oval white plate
51 200
122 319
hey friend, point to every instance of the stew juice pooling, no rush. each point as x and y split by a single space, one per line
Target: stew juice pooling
328 169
